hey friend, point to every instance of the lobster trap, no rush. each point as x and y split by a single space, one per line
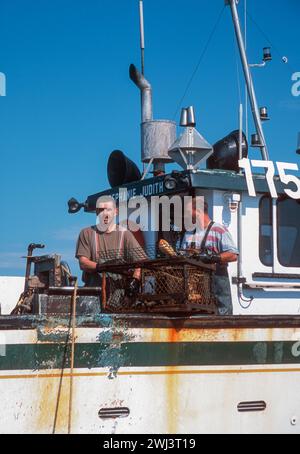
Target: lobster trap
167 286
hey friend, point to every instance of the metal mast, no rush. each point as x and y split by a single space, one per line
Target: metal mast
248 77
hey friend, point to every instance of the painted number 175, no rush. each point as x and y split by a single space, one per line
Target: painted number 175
269 166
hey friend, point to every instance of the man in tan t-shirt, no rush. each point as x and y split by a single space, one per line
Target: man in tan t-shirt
107 242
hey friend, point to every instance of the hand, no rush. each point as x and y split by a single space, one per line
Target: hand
132 288
210 259
98 268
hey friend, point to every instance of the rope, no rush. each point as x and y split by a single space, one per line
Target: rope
61 381
147 169
72 355
63 367
200 61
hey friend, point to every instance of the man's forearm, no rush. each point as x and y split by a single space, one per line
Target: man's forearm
91 267
228 257
87 265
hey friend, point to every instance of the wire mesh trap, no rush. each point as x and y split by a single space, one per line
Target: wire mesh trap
167 285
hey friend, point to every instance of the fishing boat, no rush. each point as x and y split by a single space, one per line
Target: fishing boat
70 365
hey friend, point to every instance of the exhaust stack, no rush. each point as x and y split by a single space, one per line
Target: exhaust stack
156 135
146 93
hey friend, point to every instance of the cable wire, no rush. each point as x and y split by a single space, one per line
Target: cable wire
72 355
200 61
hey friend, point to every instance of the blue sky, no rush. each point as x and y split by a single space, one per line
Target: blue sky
70 102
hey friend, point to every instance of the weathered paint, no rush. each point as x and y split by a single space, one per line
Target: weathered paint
173 380
140 354
172 388
52 415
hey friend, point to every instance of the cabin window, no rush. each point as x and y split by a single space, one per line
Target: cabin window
288 215
288 232
266 232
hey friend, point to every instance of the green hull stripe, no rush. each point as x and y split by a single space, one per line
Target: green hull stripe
55 356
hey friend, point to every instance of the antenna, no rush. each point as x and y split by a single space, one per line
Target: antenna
142 32
246 89
241 115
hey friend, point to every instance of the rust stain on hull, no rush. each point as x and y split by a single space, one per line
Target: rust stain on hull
172 389
197 335
53 410
212 335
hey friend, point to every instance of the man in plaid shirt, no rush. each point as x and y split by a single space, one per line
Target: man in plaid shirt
215 245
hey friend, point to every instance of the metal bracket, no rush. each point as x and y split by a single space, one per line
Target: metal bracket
258 65
239 280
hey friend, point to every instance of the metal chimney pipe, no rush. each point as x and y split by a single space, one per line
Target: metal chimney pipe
146 93
183 118
191 117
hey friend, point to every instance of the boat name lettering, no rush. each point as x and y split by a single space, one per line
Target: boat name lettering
147 190
153 189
